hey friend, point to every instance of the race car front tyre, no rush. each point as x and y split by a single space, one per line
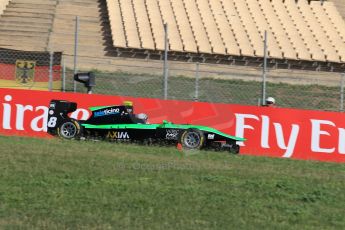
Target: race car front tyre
69 129
192 139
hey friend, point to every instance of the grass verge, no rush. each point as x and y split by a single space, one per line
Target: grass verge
55 184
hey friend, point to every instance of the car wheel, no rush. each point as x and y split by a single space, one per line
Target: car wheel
235 149
192 139
69 129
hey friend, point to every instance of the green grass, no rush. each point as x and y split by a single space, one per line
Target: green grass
316 97
56 184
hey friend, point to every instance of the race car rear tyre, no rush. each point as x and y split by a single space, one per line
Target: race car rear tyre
192 139
235 149
69 129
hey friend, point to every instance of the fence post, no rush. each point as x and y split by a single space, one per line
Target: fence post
76 35
263 102
166 47
341 107
51 60
63 75
196 96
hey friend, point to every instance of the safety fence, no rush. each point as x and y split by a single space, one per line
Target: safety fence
231 84
185 81
30 70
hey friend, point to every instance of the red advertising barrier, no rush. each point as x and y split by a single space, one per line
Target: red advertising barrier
276 132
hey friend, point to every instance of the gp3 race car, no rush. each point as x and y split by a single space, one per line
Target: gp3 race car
119 123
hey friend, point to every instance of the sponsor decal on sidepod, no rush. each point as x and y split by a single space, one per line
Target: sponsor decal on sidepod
106 112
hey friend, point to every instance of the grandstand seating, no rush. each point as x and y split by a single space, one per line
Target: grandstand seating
130 24
317 32
262 25
226 33
336 42
211 27
304 31
176 43
198 29
3 4
336 19
340 5
278 31
26 25
250 26
200 34
117 29
296 30
184 26
240 33
156 23
291 33
92 41
143 24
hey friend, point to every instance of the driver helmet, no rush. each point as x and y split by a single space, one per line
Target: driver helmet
128 106
270 101
128 103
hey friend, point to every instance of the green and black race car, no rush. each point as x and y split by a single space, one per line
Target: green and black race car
119 123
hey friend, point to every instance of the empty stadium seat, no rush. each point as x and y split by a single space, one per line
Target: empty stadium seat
250 27
296 30
261 24
143 24
184 26
168 16
156 23
197 26
335 17
3 4
241 35
129 21
318 32
224 28
304 31
211 27
277 29
330 31
291 31
116 24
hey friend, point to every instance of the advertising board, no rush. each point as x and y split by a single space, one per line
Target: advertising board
275 132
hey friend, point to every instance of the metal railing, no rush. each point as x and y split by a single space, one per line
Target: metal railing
30 70
237 85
